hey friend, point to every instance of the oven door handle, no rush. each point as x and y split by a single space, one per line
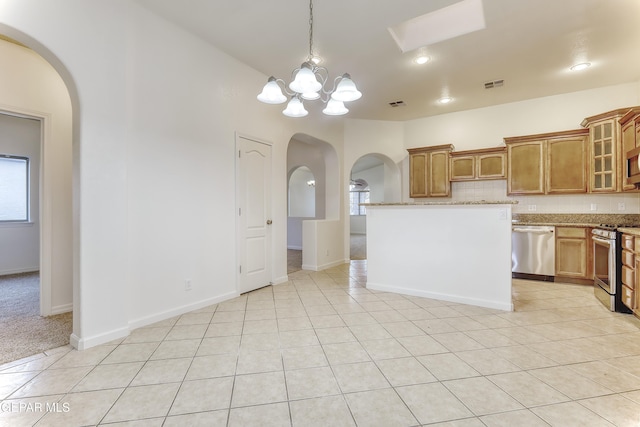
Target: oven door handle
601 239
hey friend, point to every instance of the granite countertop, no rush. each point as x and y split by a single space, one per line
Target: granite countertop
447 203
632 231
575 220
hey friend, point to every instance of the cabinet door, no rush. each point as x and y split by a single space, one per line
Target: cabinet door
567 165
463 168
418 172
526 168
438 176
491 166
628 143
603 159
636 293
572 252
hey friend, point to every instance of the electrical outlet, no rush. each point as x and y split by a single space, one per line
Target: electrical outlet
187 285
621 206
594 207
532 208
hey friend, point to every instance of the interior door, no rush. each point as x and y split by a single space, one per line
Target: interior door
254 213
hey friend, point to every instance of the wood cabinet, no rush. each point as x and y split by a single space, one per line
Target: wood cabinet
484 164
629 270
429 171
630 141
608 160
551 163
573 253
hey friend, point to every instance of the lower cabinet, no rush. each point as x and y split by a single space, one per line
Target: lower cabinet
573 253
630 263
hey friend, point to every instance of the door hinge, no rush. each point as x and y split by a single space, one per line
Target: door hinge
240 269
239 153
239 211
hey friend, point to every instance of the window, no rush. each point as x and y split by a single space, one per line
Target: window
356 197
14 188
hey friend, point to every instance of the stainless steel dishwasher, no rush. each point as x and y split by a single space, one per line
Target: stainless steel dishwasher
533 251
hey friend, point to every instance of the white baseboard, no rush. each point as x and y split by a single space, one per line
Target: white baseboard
148 320
59 309
88 342
282 279
498 305
322 266
85 343
20 270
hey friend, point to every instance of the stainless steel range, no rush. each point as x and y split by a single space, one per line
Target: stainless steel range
607 265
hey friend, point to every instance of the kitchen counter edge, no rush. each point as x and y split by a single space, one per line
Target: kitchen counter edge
451 203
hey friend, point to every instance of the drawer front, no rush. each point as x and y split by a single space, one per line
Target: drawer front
577 232
627 276
627 258
637 243
628 297
627 242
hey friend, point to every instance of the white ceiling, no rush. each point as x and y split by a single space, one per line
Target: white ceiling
529 43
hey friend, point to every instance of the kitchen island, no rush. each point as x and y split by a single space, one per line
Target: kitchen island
451 251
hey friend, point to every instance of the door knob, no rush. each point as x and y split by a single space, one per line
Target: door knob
269 222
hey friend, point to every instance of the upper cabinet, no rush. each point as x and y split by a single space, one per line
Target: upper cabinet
478 164
551 163
429 171
630 134
608 169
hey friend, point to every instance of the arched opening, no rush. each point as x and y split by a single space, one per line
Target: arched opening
310 159
374 178
35 89
301 200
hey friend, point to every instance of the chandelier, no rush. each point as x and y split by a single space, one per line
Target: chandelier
308 83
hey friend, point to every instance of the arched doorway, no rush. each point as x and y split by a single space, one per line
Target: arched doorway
316 160
33 88
374 178
301 200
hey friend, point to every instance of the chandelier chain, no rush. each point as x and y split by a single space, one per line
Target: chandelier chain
311 29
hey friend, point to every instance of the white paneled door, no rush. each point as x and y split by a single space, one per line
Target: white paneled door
254 213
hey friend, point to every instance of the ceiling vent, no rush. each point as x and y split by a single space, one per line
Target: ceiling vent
397 104
495 83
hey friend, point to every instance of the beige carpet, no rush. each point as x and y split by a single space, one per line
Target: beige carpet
23 332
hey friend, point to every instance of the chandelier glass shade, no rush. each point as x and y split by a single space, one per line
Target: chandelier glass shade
308 84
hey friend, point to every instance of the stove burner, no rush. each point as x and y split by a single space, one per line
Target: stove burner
613 227
610 227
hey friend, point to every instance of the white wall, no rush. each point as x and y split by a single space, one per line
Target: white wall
156 111
29 85
20 242
486 127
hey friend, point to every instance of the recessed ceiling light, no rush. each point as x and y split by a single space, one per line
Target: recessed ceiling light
581 66
445 100
422 59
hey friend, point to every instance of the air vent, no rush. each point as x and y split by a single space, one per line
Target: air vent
495 83
397 104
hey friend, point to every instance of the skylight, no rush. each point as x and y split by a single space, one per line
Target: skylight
452 21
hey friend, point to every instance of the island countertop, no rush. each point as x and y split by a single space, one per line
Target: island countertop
445 203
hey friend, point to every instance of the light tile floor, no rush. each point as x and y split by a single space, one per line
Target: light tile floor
322 350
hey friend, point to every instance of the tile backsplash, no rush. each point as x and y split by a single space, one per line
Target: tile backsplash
620 203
